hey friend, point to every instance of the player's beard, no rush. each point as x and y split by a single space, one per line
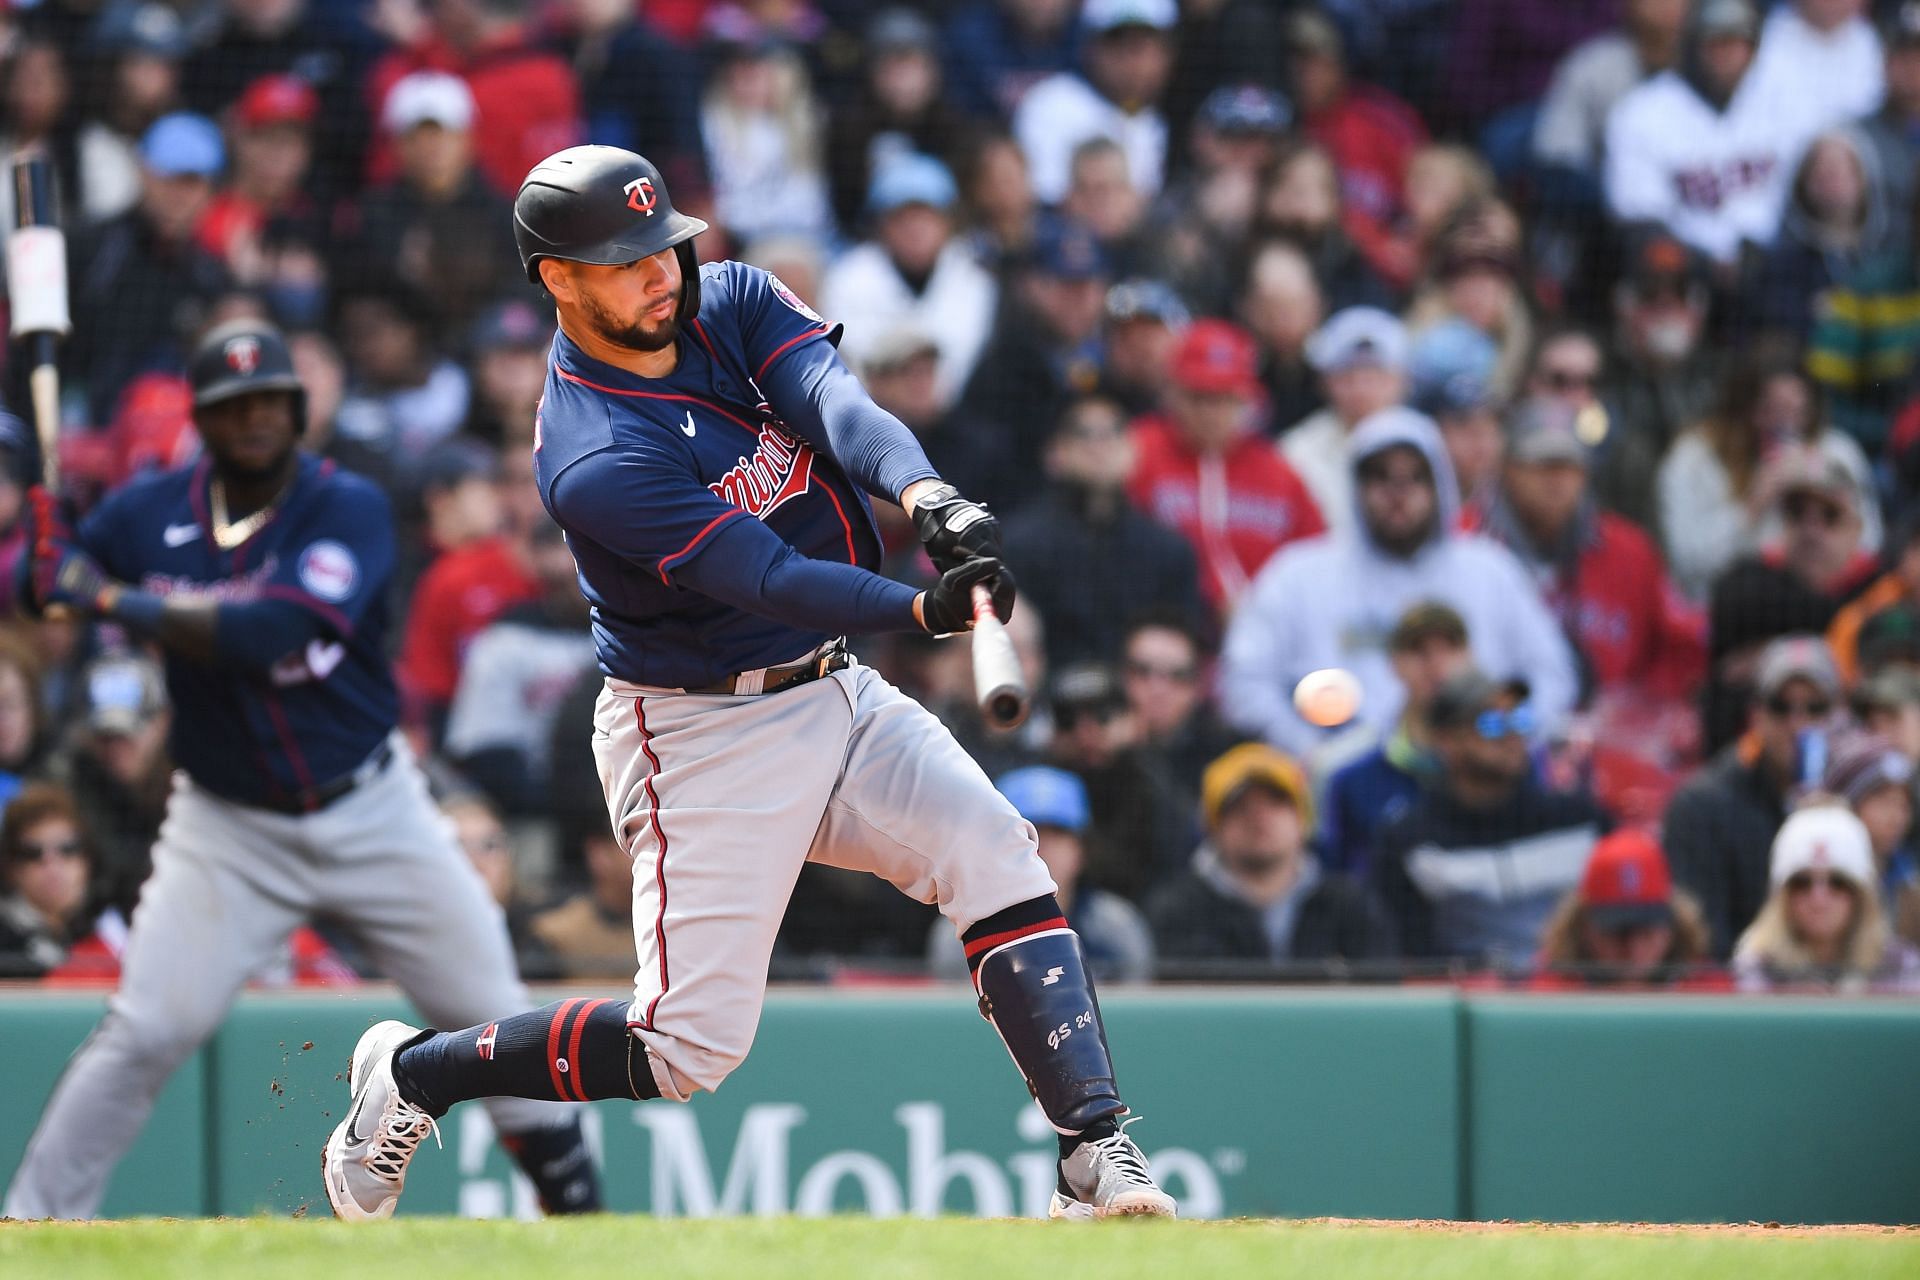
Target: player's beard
632 334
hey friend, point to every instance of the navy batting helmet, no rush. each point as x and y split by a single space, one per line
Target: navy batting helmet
604 205
241 357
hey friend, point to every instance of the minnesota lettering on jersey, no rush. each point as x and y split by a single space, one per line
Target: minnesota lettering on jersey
780 470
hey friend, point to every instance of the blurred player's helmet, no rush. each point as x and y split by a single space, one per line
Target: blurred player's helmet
241 357
604 205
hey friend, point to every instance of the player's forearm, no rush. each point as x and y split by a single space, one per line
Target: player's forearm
252 635
809 595
820 399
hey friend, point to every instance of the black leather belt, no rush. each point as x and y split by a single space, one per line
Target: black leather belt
314 799
834 658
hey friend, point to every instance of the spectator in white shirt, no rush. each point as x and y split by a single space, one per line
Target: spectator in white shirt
1825 57
913 273
1128 59
1708 150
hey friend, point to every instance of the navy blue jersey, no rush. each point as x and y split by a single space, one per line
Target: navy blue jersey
318 712
682 496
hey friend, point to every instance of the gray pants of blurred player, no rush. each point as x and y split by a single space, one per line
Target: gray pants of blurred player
229 883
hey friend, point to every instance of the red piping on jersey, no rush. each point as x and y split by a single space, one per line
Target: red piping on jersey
333 617
553 1047
573 1048
660 863
288 742
782 349
700 331
720 519
993 940
742 423
826 482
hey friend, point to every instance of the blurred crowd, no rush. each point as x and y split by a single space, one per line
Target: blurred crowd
1549 367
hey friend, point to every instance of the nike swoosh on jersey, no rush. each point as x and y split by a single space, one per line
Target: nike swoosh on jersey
179 535
688 429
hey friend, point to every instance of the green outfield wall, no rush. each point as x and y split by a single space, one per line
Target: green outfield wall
1401 1104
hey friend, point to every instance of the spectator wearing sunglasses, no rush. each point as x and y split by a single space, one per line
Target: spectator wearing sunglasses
1473 869
1626 925
1332 601
1163 673
45 867
1822 927
1721 823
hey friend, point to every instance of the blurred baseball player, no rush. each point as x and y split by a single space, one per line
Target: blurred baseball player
710 458
261 571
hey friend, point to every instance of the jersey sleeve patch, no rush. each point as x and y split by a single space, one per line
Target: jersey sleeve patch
792 299
329 570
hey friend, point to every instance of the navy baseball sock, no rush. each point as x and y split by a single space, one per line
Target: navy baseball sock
574 1051
558 1164
1072 1075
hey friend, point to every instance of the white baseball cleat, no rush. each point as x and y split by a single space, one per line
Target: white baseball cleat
1108 1178
365 1160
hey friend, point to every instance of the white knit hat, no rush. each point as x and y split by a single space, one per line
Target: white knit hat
1824 837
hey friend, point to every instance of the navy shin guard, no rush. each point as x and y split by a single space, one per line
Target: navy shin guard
1035 991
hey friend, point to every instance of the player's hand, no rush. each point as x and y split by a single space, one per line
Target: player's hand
954 529
948 607
57 571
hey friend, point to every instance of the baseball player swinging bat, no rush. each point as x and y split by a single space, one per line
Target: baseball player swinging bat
713 462
37 289
998 681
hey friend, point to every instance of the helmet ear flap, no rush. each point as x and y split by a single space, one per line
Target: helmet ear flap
689 282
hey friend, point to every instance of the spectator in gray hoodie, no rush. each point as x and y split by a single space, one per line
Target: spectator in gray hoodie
1334 600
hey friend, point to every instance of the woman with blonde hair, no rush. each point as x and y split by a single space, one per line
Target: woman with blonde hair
1626 923
760 125
1823 928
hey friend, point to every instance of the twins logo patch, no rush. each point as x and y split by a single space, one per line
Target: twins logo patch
792 299
780 470
329 571
242 354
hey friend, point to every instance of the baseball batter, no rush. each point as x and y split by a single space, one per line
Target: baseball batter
262 572
710 458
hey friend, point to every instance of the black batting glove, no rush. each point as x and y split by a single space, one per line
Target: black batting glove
948 606
955 530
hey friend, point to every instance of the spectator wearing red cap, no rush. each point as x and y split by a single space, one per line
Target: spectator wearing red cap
1823 926
1626 924
527 101
1206 470
270 131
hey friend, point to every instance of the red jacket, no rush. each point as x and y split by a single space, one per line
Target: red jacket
459 595
1620 609
1236 508
1371 136
527 106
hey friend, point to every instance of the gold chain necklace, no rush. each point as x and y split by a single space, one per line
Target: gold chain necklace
229 534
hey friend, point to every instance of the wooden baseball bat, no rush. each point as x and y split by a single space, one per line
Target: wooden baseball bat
37 294
998 681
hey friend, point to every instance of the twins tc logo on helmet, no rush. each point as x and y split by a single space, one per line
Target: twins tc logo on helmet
640 196
242 354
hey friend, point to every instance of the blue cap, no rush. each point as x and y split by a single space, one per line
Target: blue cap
1069 251
1048 797
1247 108
140 26
1451 368
911 179
183 144
1143 299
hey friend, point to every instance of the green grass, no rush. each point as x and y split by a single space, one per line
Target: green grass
949 1249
